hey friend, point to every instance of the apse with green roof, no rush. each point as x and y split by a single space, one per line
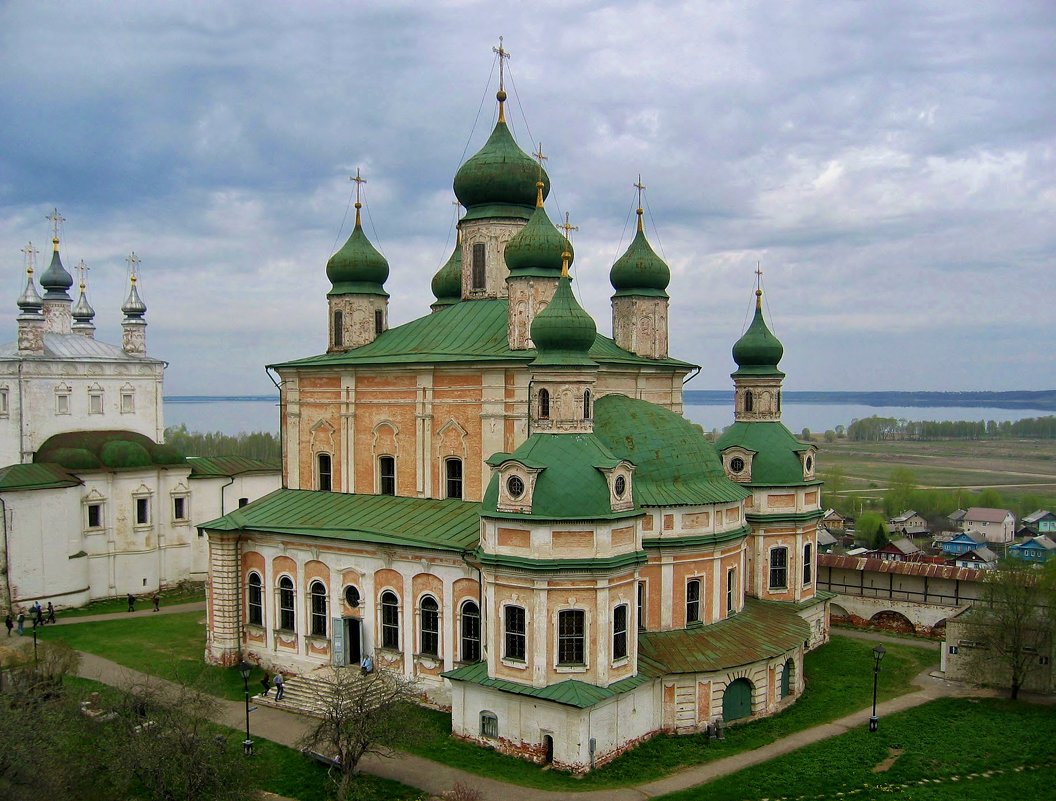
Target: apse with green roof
640 301
358 302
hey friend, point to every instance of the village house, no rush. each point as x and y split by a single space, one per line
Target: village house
1036 549
909 524
996 525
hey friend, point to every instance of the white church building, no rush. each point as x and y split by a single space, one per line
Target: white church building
92 504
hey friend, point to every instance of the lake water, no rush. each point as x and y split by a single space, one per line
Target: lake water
235 415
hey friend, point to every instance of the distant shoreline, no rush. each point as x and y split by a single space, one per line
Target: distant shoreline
1042 400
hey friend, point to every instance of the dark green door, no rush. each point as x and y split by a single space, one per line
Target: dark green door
737 701
786 679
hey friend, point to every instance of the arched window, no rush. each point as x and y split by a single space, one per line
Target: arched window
429 611
453 471
807 563
692 601
390 621
478 266
317 593
339 329
287 616
778 568
470 632
619 632
489 725
544 404
325 473
255 601
387 475
586 404
749 403
571 637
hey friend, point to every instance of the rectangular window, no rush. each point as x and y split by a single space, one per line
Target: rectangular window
953 649
256 600
571 637
379 322
453 467
479 281
95 403
619 632
339 329
808 564
516 633
778 568
4 408
731 582
179 508
142 511
641 606
95 515
390 621
128 403
692 601
62 403
387 475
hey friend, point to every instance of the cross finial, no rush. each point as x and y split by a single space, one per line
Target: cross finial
82 270
359 181
758 286
568 227
539 156
504 55
641 188
56 220
31 254
133 266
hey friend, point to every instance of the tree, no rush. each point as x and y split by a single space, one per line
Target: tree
361 714
805 435
901 486
871 529
1014 623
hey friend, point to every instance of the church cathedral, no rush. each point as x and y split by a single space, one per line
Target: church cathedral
508 508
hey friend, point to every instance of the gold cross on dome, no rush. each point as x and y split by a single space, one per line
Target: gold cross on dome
359 181
758 276
133 262
82 270
504 55
641 188
56 220
31 254
539 156
568 227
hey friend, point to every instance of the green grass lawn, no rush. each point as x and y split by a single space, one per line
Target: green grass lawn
939 752
181 594
169 646
839 682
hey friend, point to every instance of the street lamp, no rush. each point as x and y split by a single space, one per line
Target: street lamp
244 669
878 655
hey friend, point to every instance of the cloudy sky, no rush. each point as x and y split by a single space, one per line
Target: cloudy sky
892 166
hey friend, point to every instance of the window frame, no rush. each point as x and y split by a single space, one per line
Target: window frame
287 603
693 596
141 513
128 402
5 402
586 404
339 328
386 479
254 599
572 638
98 507
428 626
642 599
389 609
808 564
478 268
62 402
469 634
489 725
324 478
96 402
451 481
317 609
181 515
620 634
731 585
544 404
778 570
514 639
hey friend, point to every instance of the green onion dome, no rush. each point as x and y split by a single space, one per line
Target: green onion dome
758 351
357 268
563 332
536 250
500 173
447 283
55 280
639 271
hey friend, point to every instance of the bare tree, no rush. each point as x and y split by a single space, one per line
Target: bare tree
360 715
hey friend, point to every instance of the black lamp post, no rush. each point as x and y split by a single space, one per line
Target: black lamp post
35 661
878 655
244 669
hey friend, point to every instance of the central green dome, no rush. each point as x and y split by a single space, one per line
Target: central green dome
499 174
563 332
357 268
758 351
536 250
639 271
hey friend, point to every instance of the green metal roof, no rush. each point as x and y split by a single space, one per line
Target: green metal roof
570 486
221 466
470 331
17 477
675 464
761 630
414 522
570 692
776 461
106 450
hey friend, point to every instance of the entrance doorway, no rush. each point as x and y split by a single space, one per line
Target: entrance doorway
737 701
353 651
548 742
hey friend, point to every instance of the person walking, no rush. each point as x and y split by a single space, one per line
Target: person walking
10 623
157 601
280 686
21 621
51 613
38 616
265 682
131 602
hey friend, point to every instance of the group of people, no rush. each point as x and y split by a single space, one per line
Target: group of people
155 599
280 685
38 616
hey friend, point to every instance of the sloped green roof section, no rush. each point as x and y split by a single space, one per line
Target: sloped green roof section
776 461
570 486
570 692
471 331
226 466
415 522
761 630
675 464
18 477
107 450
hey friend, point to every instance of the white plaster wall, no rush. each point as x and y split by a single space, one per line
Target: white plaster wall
215 497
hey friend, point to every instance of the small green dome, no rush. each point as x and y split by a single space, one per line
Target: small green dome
536 250
639 270
357 268
758 351
447 283
499 174
563 332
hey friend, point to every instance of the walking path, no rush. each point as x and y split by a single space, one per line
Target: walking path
287 729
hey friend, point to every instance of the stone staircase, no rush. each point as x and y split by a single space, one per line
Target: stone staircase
312 693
